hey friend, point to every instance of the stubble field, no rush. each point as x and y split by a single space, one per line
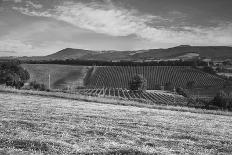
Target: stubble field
45 125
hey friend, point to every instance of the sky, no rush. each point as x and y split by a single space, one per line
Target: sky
42 27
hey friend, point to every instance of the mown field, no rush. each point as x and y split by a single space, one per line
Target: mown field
42 125
61 75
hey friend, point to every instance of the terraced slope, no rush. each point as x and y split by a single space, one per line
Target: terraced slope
119 76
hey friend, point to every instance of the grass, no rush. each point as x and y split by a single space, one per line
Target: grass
112 100
40 125
61 75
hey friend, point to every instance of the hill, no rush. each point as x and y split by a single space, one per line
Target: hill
70 53
183 51
44 125
213 52
156 76
61 76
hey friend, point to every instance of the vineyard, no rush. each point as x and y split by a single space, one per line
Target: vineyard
177 76
157 97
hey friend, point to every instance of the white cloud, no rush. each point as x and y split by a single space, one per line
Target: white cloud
31 4
14 45
16 1
30 12
116 21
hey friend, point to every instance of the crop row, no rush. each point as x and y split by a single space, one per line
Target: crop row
148 97
178 76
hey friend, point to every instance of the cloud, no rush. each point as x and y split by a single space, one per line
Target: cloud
31 4
7 52
31 12
15 1
109 19
40 38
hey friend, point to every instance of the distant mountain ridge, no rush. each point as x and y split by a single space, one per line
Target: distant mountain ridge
213 52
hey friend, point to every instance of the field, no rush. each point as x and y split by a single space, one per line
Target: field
61 75
43 125
152 97
155 75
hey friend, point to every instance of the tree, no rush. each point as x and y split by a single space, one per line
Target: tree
190 84
168 86
221 100
209 70
37 86
182 92
157 87
12 74
138 83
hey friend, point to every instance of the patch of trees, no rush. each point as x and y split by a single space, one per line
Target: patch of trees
222 101
12 74
118 63
209 70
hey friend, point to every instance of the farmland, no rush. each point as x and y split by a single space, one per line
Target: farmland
154 97
155 75
61 75
39 125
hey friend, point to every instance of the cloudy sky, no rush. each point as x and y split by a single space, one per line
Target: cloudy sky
41 27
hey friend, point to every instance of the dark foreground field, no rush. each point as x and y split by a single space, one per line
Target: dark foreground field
39 125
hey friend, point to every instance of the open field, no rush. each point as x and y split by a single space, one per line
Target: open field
61 75
40 125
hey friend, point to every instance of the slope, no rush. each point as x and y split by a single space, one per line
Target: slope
61 75
41 125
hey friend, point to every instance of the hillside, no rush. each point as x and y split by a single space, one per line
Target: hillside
70 53
209 52
61 75
213 52
119 77
42 125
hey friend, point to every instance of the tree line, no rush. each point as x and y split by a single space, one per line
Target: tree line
117 63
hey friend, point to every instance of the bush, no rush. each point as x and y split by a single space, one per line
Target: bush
11 74
157 87
222 100
190 84
169 86
138 83
209 70
182 92
37 86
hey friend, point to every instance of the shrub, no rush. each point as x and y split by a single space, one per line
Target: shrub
182 92
37 86
190 84
157 87
209 70
138 83
222 100
12 74
168 86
